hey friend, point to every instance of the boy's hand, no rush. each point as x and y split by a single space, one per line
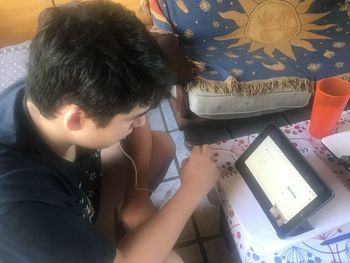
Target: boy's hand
199 173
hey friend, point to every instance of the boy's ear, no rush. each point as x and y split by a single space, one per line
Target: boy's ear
73 117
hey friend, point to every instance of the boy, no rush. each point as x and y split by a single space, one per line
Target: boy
93 73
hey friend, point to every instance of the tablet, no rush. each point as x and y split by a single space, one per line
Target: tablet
285 185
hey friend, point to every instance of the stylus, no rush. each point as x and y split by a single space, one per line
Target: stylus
335 239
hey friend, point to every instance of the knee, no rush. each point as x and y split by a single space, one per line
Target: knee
165 144
169 146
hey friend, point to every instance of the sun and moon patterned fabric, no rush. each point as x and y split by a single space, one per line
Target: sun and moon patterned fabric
253 46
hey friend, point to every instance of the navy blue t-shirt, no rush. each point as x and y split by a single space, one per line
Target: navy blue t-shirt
47 205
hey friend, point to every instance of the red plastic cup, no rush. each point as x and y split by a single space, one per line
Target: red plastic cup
331 97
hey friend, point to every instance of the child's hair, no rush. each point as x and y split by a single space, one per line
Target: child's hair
97 55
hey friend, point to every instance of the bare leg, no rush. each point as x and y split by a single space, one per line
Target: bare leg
115 181
152 160
152 153
162 151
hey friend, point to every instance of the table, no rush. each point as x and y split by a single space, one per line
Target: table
253 235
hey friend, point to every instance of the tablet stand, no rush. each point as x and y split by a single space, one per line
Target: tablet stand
304 227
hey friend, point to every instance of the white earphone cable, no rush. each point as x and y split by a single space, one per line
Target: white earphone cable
135 171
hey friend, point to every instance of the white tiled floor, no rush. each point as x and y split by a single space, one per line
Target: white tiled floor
200 240
191 254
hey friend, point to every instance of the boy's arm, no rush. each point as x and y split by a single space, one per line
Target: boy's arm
153 240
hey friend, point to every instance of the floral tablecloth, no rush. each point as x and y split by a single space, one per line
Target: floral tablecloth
328 246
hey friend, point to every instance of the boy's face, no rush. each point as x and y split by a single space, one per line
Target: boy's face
120 126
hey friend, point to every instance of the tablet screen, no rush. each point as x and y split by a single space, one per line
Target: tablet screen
284 186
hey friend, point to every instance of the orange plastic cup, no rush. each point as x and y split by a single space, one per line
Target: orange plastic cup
331 97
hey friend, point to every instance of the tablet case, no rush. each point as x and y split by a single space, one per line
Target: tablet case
304 225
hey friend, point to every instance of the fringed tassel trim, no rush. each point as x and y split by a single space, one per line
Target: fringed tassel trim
345 76
255 87
157 30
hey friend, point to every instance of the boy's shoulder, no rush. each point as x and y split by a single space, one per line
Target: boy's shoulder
11 106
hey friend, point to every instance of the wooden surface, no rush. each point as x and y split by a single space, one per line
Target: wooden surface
18 18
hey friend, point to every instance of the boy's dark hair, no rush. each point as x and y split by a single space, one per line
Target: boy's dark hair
97 55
